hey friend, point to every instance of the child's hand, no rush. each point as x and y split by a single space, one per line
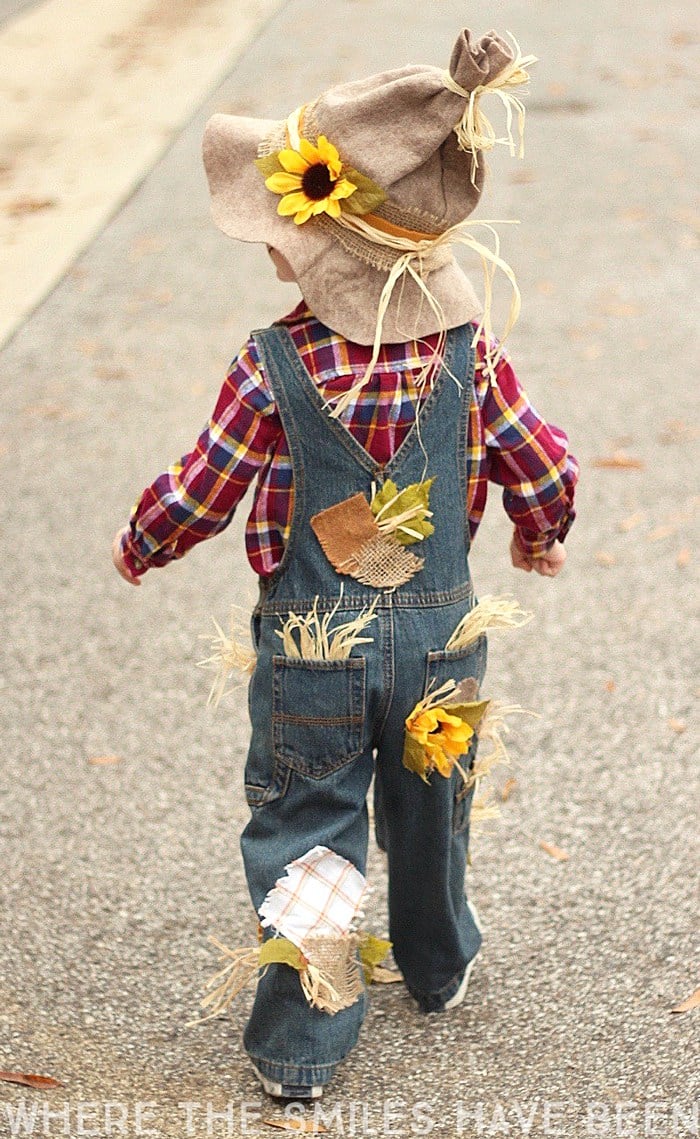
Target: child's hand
119 562
547 564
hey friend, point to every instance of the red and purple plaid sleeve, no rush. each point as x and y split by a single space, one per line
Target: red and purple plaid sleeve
196 498
530 459
509 444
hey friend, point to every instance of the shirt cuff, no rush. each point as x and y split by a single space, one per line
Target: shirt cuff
537 545
132 561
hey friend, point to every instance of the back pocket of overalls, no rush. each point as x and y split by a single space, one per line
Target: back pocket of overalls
318 713
459 665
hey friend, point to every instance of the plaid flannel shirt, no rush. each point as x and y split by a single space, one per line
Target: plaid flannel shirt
508 444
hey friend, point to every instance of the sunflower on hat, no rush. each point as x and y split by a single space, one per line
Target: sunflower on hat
313 179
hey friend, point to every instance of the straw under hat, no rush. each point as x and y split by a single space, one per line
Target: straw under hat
366 189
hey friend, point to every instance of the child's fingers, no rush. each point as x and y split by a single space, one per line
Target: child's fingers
119 563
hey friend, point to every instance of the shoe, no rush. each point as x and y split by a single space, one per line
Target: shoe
464 984
289 1091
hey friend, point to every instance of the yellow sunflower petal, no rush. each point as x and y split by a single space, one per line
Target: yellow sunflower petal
443 764
456 746
282 183
330 207
343 189
447 718
292 202
309 152
329 155
304 214
292 161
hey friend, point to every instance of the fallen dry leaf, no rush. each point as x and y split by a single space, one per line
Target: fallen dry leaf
630 522
554 851
676 725
48 411
308 1126
522 175
610 685
144 245
20 207
382 976
689 1003
621 309
508 788
634 213
683 558
603 558
110 372
30 1081
619 460
677 431
685 38
87 347
661 532
103 760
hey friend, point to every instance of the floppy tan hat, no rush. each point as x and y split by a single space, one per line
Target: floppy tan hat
366 189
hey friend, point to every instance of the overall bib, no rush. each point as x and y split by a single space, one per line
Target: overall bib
321 729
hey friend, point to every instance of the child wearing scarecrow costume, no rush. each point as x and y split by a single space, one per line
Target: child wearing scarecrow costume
372 419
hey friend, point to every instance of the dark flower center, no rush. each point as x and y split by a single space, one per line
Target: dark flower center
316 182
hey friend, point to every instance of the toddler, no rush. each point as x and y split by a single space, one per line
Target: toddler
371 419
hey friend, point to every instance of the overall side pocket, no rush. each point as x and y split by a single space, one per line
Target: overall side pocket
318 713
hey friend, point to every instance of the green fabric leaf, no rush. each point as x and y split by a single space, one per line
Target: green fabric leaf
414 757
367 196
472 713
405 535
269 164
390 503
372 950
281 951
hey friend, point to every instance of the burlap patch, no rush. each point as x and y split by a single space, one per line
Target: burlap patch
383 563
333 979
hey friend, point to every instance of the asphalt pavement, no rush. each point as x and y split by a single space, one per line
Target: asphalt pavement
115 873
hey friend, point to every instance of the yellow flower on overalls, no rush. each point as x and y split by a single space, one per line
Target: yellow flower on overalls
310 180
443 737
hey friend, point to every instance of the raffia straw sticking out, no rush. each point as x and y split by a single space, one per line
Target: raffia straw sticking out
229 655
240 969
493 728
318 991
416 259
491 612
483 809
317 641
474 131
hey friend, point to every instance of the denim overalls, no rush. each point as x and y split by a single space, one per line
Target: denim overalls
322 729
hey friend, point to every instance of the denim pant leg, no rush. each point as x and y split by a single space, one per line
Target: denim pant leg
425 830
292 811
289 1041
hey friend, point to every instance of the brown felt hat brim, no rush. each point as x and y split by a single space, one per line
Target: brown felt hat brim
340 289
